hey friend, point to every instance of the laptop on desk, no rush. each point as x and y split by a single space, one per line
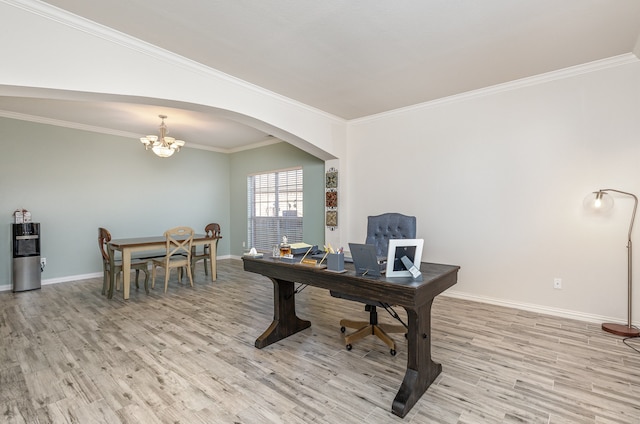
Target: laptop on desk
365 260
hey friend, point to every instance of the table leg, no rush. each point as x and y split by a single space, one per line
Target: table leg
212 260
126 272
285 322
421 369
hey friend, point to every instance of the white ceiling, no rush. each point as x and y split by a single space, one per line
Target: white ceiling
347 57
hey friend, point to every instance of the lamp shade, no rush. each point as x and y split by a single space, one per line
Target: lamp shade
598 202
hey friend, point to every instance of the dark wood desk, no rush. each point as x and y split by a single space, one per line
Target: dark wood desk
416 297
140 244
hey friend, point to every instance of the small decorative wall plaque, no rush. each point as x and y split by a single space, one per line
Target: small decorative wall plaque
332 219
331 198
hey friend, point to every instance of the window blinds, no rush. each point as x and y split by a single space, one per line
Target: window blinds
274 208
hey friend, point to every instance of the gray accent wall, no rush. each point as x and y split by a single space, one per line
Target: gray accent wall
74 181
270 158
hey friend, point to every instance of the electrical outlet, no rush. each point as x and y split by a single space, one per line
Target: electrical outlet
557 283
43 262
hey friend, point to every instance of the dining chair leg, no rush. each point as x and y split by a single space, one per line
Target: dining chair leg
153 276
105 282
189 274
137 275
167 271
206 268
112 283
146 281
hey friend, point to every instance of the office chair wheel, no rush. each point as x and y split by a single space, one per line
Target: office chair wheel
349 347
392 352
342 329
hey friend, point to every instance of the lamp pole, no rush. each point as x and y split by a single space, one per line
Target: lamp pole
620 329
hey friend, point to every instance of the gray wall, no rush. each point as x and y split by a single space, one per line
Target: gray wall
277 156
76 181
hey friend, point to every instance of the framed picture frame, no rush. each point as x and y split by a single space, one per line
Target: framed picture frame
411 248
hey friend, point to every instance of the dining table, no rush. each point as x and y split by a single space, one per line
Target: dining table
129 246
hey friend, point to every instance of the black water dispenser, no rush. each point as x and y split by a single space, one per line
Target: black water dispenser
26 272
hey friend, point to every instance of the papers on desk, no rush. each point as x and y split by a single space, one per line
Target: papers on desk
301 248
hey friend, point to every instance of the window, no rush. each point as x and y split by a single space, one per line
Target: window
274 208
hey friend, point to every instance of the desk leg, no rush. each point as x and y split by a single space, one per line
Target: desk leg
126 272
285 322
421 370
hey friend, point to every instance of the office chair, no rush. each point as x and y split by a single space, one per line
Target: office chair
380 229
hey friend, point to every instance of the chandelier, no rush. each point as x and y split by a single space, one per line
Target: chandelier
162 146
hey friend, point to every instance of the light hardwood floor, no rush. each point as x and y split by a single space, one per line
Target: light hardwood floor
69 355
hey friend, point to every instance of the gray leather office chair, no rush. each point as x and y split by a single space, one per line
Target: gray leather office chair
380 229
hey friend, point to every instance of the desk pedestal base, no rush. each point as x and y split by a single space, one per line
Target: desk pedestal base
421 369
285 322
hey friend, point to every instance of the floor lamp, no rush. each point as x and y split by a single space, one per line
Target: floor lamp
600 200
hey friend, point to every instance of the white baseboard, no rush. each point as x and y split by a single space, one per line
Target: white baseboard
7 287
66 279
563 313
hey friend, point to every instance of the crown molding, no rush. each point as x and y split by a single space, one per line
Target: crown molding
66 18
572 71
66 124
101 130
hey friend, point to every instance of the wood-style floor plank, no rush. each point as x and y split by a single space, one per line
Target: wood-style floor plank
69 355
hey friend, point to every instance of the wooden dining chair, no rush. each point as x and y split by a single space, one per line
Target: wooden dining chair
179 241
112 267
212 230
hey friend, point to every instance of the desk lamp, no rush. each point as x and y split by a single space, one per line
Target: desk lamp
601 201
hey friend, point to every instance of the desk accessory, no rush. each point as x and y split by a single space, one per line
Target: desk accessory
253 253
335 262
300 248
415 272
411 248
365 260
285 247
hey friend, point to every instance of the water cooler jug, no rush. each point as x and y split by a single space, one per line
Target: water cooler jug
26 273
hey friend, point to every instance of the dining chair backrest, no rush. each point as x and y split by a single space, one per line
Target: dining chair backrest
212 230
104 237
179 241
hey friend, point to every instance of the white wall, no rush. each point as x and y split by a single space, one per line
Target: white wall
51 49
497 181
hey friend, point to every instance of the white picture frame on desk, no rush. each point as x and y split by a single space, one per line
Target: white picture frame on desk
412 248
